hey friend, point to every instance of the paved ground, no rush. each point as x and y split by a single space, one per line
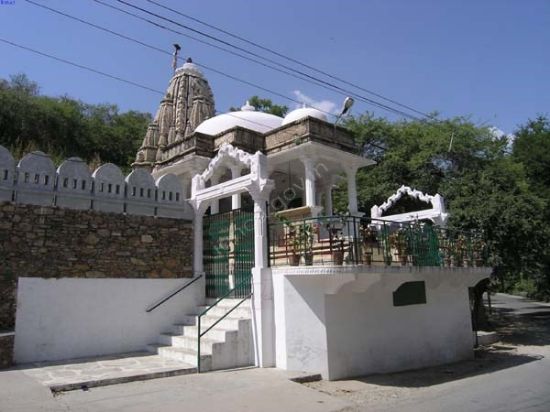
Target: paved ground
265 390
514 375
104 370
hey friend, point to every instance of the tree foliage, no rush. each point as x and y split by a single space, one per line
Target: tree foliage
65 127
266 106
507 196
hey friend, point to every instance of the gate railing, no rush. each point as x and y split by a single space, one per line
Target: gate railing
352 240
228 250
204 312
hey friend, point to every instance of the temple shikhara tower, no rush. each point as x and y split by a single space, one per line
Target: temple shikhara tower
188 102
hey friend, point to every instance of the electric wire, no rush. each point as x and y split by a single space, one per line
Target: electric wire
81 66
204 42
345 92
306 77
286 57
120 79
158 49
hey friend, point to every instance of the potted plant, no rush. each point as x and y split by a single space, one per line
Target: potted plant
292 241
369 243
478 247
398 241
459 246
336 239
305 239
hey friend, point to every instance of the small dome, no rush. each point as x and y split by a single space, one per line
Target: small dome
190 68
247 118
302 113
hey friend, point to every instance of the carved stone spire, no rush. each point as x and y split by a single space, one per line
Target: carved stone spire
188 102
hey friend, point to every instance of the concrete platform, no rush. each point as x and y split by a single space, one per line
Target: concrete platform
106 370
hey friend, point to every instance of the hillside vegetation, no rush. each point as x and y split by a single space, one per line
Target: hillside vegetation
64 127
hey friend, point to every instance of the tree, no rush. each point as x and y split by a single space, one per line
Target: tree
531 148
266 106
484 186
63 127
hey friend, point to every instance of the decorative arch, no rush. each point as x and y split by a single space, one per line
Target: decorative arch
228 152
256 182
437 213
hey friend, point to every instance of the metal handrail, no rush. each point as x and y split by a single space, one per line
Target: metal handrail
156 305
199 316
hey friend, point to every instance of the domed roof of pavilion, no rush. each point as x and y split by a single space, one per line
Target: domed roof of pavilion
302 113
247 118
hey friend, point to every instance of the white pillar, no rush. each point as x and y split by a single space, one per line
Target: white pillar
198 246
262 301
309 181
328 198
215 204
260 235
236 199
351 173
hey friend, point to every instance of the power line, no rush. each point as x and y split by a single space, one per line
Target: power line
80 66
276 53
158 49
308 78
204 42
345 92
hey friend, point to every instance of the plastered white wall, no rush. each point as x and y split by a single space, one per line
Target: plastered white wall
367 334
68 318
355 330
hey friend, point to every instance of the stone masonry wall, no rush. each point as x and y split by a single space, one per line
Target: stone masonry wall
39 241
6 350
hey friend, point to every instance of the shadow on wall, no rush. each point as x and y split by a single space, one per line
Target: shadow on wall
8 292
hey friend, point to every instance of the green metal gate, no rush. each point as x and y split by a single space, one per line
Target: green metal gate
228 253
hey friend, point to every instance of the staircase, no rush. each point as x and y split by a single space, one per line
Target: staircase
227 345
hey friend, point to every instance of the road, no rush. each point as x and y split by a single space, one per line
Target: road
513 375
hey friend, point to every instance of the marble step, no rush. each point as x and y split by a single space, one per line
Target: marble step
186 355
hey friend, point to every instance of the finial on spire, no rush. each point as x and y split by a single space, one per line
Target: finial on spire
248 107
177 48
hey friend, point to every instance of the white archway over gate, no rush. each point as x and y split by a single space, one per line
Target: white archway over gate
256 183
436 213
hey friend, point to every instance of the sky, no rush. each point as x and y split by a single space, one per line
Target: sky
485 59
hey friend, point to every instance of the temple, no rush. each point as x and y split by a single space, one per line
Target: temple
226 236
339 295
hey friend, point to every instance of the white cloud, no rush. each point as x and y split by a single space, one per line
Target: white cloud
327 106
498 133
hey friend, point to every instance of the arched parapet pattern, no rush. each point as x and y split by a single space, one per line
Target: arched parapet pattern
437 213
7 175
109 188
35 179
142 191
170 198
74 184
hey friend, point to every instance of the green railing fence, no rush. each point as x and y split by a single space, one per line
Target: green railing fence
351 240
